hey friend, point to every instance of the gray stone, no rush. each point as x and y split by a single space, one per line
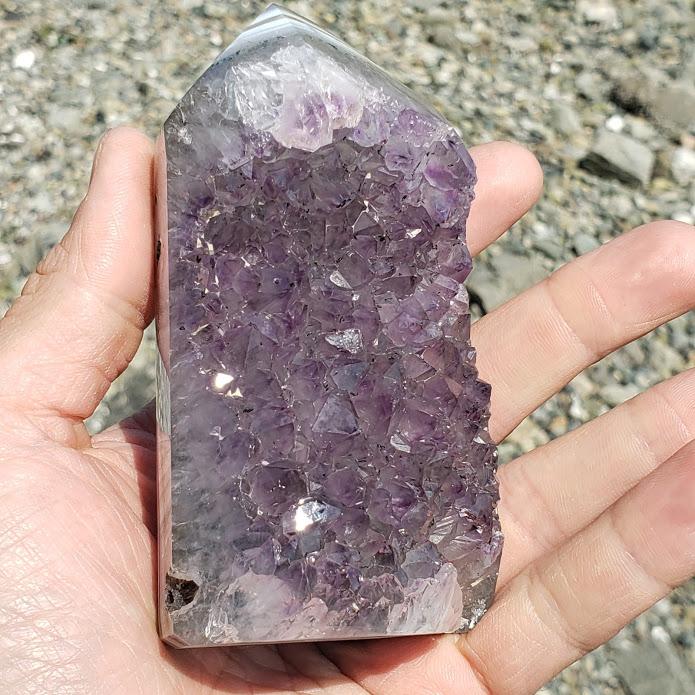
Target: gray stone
552 246
615 394
583 243
445 36
636 90
642 129
666 360
620 156
652 665
599 12
621 206
69 119
507 274
673 106
670 104
484 284
683 165
591 85
34 247
565 119
528 435
682 334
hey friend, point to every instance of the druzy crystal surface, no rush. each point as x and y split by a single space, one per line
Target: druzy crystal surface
324 466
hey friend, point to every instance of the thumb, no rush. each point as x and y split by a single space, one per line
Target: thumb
80 317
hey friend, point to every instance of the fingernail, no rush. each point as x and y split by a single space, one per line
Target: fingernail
97 154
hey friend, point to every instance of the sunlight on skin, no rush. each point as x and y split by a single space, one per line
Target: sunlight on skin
598 523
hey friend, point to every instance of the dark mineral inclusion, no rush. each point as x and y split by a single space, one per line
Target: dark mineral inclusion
325 470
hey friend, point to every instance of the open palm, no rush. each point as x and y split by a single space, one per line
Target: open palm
599 523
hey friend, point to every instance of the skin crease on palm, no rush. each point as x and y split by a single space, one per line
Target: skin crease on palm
599 523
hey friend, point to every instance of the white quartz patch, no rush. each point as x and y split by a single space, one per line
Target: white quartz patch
349 340
275 98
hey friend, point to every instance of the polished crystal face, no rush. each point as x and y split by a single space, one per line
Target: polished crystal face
325 467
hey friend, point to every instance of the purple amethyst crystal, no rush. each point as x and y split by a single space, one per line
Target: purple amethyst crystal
325 467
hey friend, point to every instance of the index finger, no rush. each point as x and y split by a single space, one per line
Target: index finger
510 181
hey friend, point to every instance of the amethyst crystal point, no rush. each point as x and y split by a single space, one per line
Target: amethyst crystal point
325 469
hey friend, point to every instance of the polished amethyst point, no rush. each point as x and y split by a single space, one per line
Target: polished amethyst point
325 469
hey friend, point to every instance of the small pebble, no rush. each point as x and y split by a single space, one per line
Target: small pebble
24 60
583 243
615 124
683 165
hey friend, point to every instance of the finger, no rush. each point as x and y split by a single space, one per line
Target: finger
553 492
80 317
425 665
537 342
510 181
568 603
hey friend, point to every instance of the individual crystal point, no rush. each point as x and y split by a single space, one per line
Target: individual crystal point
325 470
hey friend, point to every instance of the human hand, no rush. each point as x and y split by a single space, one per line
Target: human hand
599 523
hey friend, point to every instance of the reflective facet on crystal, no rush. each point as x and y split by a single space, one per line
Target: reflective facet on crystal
325 470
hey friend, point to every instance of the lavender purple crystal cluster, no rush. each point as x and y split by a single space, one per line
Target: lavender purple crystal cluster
325 469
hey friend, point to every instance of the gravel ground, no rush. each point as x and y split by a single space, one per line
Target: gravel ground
603 92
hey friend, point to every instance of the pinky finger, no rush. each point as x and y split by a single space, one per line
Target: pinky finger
573 600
